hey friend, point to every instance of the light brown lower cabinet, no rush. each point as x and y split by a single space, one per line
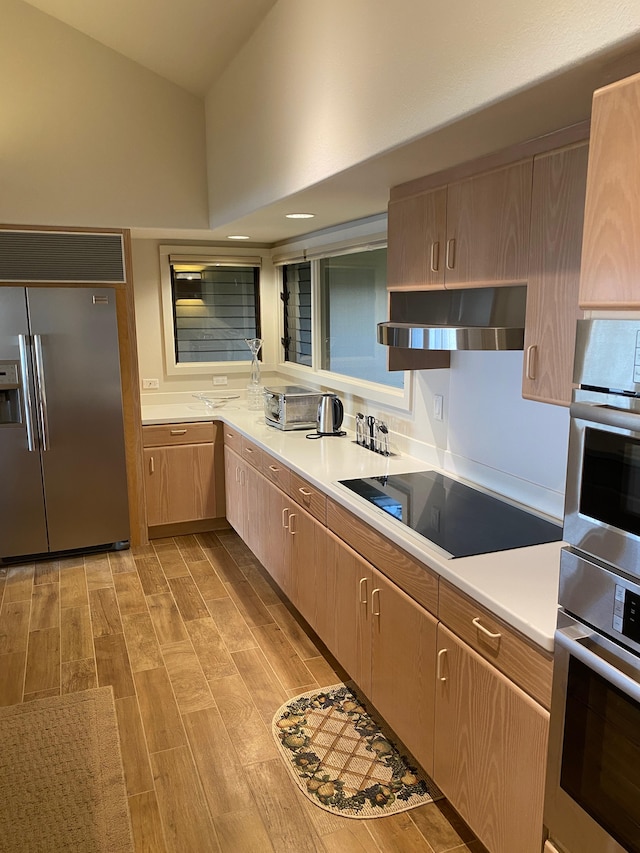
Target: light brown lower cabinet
183 478
386 642
242 489
490 749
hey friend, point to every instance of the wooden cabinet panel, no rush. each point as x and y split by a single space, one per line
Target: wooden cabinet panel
180 483
157 435
529 667
308 541
488 228
312 499
351 584
275 471
232 438
252 453
557 212
490 749
610 276
409 574
416 235
403 654
485 240
234 492
275 507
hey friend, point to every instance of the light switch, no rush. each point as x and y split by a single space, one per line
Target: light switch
438 406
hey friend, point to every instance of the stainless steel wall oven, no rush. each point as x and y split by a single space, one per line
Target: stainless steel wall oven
592 802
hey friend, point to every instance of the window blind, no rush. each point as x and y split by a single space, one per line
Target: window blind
215 306
296 294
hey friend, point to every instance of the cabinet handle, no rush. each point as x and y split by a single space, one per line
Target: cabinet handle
152 466
285 512
451 253
532 352
242 477
248 450
375 612
292 530
484 630
435 256
273 468
441 656
305 492
363 600
178 432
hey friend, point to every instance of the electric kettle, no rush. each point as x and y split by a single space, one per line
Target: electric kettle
330 414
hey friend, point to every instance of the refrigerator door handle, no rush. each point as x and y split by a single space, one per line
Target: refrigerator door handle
26 392
41 392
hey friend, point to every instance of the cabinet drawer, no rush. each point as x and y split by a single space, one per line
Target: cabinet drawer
312 499
276 472
529 667
160 435
232 439
252 453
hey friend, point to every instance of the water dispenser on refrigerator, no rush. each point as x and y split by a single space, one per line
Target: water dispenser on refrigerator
10 408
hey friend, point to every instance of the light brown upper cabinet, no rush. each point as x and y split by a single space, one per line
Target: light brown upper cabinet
474 232
611 244
557 211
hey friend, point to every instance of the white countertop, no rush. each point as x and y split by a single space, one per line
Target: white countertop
519 585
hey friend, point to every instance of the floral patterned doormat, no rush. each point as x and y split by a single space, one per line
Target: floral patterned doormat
341 758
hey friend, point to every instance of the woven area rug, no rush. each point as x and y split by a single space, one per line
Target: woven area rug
342 759
61 779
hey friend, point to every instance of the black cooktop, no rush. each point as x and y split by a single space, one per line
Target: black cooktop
460 519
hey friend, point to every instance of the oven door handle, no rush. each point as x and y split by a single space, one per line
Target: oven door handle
590 658
607 415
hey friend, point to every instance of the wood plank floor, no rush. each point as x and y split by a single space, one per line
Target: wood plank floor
200 649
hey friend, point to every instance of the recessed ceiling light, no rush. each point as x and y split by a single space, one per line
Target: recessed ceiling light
238 237
300 215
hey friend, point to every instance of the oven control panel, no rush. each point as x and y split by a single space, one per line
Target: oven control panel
626 613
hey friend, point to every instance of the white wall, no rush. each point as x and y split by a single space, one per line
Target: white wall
88 137
321 87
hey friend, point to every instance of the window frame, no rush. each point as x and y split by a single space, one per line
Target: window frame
374 392
209 253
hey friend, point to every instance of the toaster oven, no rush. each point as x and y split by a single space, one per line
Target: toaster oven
291 407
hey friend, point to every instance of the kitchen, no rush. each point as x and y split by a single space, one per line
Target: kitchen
41 203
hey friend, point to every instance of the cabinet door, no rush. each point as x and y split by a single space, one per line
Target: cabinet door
488 228
254 520
611 245
557 212
234 492
180 483
403 654
349 578
490 749
416 231
308 542
275 507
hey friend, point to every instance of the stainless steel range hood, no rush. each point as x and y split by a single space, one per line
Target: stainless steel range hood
482 318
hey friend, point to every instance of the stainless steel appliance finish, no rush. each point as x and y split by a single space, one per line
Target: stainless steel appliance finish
602 500
592 800
291 407
482 318
62 455
330 415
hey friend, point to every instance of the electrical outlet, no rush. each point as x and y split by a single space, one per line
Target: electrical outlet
438 407
219 380
150 384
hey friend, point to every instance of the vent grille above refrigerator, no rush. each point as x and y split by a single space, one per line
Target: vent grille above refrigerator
50 256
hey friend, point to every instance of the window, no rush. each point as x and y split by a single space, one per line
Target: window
296 295
215 307
349 292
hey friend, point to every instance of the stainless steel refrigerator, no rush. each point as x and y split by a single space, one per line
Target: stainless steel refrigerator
62 455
